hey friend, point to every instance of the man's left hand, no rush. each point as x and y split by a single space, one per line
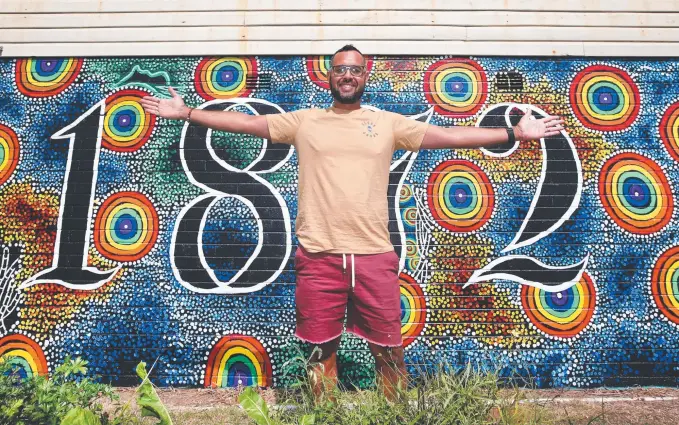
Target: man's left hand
530 128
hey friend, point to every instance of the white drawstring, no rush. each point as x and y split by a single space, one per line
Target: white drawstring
353 269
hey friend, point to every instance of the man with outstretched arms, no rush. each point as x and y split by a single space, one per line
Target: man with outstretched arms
345 262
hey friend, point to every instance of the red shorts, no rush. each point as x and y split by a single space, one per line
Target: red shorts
365 286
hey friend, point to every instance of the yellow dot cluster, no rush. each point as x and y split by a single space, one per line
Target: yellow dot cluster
481 311
400 74
28 220
593 149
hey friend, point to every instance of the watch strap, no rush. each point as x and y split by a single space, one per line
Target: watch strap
511 136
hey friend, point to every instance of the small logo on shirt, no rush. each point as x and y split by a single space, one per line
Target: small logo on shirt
369 129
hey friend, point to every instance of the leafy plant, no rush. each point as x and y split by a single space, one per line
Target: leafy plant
255 406
67 398
80 416
257 409
148 400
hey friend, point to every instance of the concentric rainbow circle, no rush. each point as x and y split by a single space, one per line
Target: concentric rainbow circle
456 87
224 78
635 193
405 194
411 247
318 68
238 360
126 227
409 216
412 263
669 130
604 98
460 196
412 253
46 77
665 284
561 314
23 353
127 126
9 152
413 309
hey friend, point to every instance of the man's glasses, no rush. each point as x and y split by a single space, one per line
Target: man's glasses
355 70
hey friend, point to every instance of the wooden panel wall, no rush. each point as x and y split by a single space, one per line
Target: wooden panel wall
262 27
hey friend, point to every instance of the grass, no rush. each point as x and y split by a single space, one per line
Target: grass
230 415
220 412
524 412
444 396
465 396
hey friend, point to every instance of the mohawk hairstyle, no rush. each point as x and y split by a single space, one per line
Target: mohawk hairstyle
347 48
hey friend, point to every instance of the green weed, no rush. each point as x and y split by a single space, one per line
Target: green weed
69 397
443 397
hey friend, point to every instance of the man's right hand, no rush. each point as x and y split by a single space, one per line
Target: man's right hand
173 109
231 121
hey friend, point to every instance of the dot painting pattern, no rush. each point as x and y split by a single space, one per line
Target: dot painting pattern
669 130
406 194
413 309
410 216
318 68
665 284
452 213
456 87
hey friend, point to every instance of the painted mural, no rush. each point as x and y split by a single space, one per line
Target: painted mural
127 237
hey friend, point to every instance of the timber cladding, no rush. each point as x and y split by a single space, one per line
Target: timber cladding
521 28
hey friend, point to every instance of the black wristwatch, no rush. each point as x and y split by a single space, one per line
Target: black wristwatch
512 137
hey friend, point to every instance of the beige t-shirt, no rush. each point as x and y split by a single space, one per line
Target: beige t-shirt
344 158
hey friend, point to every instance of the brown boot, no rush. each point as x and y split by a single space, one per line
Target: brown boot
393 382
323 376
323 370
390 368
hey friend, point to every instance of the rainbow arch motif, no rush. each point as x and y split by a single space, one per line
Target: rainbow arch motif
9 153
24 353
413 309
238 360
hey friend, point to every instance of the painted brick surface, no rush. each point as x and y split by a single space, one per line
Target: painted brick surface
126 237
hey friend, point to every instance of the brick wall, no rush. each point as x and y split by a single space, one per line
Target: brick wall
126 237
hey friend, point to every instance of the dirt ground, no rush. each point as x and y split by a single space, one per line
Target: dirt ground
630 406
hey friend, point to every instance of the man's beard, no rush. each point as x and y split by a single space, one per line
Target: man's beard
347 100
